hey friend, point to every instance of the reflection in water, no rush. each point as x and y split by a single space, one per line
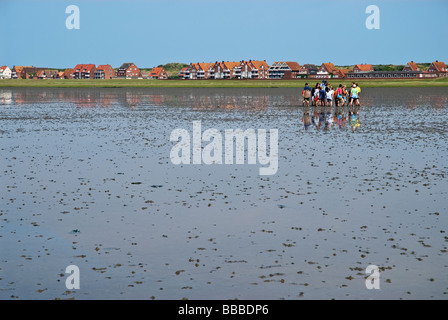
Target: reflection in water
327 118
203 98
5 97
198 99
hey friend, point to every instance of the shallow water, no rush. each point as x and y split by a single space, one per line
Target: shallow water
87 180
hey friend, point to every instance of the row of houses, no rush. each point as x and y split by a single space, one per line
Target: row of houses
251 69
28 72
83 71
292 70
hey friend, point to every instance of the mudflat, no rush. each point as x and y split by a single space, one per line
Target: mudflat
87 180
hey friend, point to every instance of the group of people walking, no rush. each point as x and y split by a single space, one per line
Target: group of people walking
323 94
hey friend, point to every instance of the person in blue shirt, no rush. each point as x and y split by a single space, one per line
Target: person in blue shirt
323 84
322 96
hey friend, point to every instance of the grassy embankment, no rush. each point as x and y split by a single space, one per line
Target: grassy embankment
145 83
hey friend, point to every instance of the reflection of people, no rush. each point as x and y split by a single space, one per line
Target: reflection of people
306 94
321 119
315 119
339 119
306 119
354 120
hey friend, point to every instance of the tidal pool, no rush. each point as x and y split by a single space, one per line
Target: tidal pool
87 180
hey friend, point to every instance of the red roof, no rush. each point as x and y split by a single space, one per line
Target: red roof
329 67
413 66
103 66
68 72
259 64
439 65
231 64
84 68
343 72
205 65
3 68
364 67
293 65
156 72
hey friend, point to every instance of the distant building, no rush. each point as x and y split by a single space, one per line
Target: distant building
200 70
363 68
46 74
284 70
190 72
225 70
411 66
182 72
253 69
307 71
68 74
5 72
158 73
84 71
128 71
205 70
104 71
32 73
326 71
438 68
388 74
16 71
342 73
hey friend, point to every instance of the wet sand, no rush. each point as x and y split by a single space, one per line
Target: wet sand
87 180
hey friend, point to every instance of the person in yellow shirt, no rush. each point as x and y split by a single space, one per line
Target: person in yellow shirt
359 91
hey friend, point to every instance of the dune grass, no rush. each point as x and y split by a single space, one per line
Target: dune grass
144 83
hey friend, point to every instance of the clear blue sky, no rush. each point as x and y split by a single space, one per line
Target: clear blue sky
153 32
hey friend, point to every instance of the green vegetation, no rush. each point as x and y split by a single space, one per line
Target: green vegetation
172 69
388 67
144 83
423 66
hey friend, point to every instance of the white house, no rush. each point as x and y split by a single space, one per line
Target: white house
5 72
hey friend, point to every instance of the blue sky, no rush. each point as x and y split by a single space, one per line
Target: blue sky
154 32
